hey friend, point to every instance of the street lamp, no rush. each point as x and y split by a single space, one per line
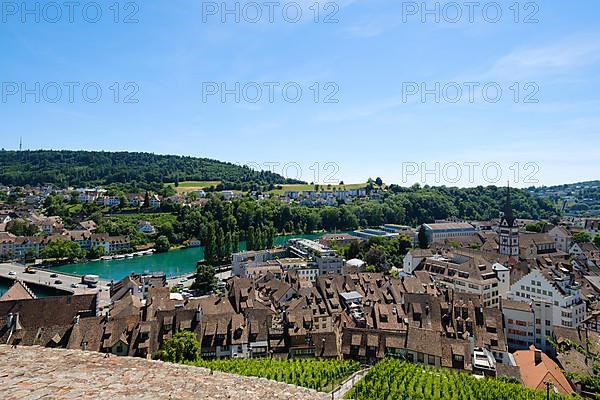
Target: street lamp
548 385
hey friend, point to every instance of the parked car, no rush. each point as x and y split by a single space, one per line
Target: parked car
54 276
12 273
58 282
74 285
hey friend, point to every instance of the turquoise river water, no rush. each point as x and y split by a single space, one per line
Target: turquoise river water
173 263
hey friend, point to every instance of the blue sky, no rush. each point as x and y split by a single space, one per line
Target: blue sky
368 61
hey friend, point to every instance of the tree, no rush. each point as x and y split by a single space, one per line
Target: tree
582 237
404 243
123 201
376 257
379 181
250 239
353 250
235 242
162 244
422 237
535 227
95 252
597 240
210 245
62 249
20 227
221 252
205 279
183 346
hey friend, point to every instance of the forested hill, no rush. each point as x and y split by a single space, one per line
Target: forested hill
87 168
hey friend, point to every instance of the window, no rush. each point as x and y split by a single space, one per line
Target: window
420 357
548 322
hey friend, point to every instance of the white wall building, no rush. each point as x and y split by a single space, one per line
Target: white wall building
528 323
256 257
330 265
556 291
562 238
413 258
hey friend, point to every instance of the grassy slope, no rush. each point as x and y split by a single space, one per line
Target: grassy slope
300 188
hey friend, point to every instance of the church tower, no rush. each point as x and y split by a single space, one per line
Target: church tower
509 233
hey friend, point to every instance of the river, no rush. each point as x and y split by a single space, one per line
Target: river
173 263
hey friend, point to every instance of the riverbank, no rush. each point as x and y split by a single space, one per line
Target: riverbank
173 263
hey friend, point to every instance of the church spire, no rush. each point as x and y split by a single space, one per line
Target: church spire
508 213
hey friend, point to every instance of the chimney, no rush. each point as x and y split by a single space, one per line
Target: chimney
537 356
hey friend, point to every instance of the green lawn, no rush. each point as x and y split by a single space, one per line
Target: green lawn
156 219
300 188
74 208
192 186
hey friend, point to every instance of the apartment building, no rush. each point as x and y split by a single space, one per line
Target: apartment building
467 274
554 289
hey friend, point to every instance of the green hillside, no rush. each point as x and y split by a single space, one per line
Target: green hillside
88 168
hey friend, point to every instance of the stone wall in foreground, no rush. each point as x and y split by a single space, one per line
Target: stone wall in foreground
36 372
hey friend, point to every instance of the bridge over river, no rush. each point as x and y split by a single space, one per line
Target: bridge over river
49 278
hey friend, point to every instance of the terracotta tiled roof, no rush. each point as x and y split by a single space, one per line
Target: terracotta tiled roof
18 291
534 375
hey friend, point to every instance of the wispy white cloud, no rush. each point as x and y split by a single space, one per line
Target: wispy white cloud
550 60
